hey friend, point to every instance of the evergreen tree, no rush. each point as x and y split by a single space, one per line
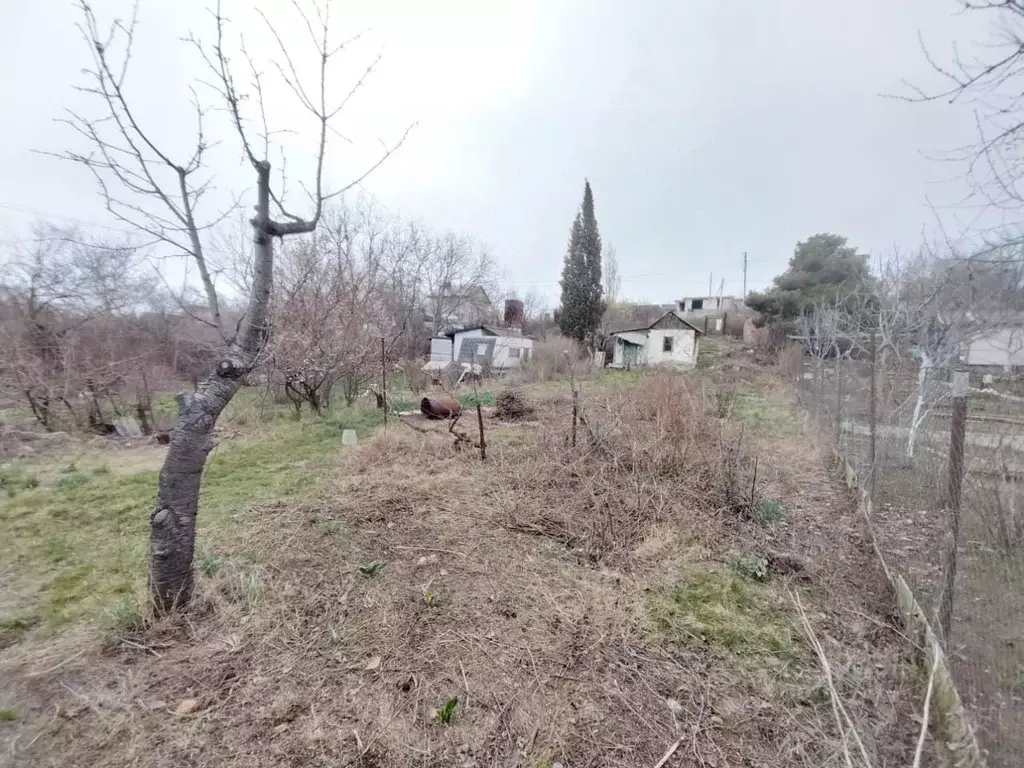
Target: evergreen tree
823 267
581 308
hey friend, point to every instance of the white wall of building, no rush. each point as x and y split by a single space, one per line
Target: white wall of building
441 349
509 351
1002 347
461 337
683 352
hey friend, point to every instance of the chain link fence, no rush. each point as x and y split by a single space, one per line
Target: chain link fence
949 519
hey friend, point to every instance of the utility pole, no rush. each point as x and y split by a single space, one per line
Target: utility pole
711 279
744 275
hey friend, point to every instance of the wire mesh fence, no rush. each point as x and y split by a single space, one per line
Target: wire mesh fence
941 453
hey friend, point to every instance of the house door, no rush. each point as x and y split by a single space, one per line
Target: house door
630 354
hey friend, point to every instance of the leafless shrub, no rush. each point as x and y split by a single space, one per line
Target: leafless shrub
78 347
790 362
331 315
548 360
415 379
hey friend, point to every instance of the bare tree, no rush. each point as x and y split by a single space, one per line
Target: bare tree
459 278
612 278
405 261
159 195
931 306
991 79
69 333
332 311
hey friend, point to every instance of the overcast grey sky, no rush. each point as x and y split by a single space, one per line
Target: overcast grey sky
706 128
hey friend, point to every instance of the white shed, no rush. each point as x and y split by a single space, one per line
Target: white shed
500 349
1002 347
441 349
669 340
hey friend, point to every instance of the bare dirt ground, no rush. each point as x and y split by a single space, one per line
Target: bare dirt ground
604 605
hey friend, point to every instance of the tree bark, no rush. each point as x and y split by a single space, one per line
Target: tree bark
917 417
173 523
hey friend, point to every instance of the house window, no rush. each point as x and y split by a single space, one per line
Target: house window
481 349
697 304
666 344
514 352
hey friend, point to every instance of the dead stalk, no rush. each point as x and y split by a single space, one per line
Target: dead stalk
575 397
843 721
668 754
918 753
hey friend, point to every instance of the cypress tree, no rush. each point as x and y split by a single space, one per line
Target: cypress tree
582 307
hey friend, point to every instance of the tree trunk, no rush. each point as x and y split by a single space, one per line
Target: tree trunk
917 417
173 522
142 414
172 525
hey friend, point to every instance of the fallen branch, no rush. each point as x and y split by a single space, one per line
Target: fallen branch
433 549
924 717
668 754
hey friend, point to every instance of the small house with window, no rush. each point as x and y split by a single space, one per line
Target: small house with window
490 348
669 340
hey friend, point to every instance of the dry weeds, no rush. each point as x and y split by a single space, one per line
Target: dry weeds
526 588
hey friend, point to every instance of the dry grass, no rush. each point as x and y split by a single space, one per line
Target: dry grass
549 605
548 359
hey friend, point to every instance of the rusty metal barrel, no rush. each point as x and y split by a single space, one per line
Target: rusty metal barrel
440 407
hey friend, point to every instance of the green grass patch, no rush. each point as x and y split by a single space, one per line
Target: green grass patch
446 712
209 564
769 511
614 376
763 413
728 613
128 615
371 569
14 628
80 545
751 566
469 400
402 403
8 715
70 480
14 480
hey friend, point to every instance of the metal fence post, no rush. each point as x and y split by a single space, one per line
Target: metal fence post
839 400
384 379
954 485
872 407
873 415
